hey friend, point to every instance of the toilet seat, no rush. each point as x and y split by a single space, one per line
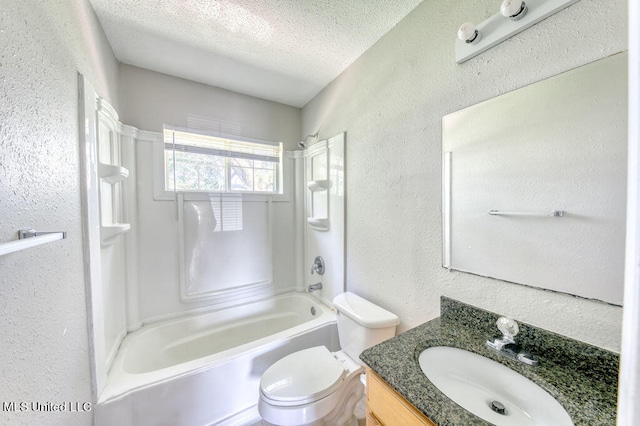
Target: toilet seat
302 377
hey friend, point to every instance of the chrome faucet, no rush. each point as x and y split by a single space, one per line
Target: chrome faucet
314 287
508 345
318 266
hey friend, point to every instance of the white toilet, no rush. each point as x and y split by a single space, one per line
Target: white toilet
316 387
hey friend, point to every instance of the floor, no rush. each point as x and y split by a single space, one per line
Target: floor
360 412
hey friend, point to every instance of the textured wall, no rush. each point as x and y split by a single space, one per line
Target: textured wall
391 102
44 355
281 50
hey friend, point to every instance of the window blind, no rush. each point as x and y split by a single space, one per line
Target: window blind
201 142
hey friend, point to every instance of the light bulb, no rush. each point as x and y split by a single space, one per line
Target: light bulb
468 33
514 9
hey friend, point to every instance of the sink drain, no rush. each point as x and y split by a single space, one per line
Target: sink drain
498 407
313 310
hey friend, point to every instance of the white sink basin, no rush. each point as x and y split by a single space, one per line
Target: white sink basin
475 382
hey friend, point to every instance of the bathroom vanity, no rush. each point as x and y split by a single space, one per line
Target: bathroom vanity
385 406
580 377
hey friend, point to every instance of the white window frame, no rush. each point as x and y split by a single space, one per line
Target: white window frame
162 194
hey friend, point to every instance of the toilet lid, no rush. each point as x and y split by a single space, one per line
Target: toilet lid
302 377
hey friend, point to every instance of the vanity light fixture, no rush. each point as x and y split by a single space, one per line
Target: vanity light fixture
514 16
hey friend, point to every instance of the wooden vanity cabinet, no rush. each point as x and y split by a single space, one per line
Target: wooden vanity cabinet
386 407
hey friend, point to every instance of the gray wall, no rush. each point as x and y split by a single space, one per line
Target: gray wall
151 99
391 102
45 347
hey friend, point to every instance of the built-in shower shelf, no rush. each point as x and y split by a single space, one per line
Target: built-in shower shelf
109 233
318 224
319 185
111 173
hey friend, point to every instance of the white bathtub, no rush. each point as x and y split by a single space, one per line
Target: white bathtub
205 369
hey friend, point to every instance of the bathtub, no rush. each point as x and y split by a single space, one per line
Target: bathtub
205 369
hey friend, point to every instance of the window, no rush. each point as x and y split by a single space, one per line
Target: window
197 161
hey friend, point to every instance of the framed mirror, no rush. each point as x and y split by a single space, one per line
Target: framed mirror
534 183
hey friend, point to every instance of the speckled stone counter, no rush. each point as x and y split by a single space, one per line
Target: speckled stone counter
581 377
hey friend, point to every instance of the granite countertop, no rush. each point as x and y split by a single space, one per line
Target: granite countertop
581 377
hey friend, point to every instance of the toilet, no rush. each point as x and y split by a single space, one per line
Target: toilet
314 386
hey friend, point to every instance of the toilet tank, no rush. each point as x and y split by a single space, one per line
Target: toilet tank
362 324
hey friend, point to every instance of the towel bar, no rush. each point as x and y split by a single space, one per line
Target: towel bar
553 213
30 238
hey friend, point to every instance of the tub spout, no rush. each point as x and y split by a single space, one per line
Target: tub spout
314 287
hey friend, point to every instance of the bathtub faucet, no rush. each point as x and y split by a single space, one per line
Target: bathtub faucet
314 287
318 266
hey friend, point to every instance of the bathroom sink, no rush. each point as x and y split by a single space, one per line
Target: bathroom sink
489 389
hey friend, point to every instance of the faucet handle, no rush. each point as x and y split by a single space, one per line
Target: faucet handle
508 327
318 266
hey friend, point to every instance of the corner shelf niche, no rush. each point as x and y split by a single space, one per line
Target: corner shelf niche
319 224
109 233
111 173
318 184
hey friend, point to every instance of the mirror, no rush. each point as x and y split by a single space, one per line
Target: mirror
534 183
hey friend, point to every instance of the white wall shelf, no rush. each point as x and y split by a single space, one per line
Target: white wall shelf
319 224
112 173
109 233
319 185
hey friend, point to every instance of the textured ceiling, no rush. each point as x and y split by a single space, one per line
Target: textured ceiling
282 50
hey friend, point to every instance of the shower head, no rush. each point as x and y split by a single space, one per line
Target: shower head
303 143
